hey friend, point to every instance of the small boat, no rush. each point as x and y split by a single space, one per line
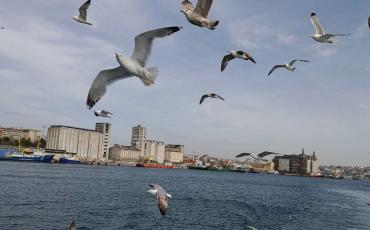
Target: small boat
65 160
198 167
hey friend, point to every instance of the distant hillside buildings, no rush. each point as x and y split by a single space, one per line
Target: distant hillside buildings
147 150
20 133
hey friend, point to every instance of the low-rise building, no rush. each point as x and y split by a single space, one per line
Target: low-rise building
123 153
262 166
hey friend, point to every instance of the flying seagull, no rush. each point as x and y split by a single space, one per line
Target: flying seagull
83 12
198 15
320 35
288 66
162 197
72 226
103 113
212 95
130 66
235 54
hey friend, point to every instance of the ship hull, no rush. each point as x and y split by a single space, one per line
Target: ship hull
37 159
68 161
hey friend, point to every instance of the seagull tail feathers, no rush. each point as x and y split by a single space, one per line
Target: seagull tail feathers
150 79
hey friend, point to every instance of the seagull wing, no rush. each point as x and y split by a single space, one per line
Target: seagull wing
275 67
100 83
266 153
292 62
304 60
83 10
368 21
203 98
218 96
187 5
203 7
144 41
225 61
316 24
72 226
243 155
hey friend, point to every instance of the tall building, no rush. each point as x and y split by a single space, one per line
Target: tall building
19 133
138 137
105 129
84 143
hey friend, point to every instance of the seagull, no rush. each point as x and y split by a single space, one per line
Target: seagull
162 197
368 21
83 12
198 15
212 95
235 54
72 226
103 113
320 35
288 66
130 66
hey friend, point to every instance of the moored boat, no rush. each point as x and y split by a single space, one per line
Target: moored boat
65 160
15 156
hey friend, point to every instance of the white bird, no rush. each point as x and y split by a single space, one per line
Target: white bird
103 113
162 197
211 95
133 66
198 15
83 13
320 35
288 66
72 226
235 54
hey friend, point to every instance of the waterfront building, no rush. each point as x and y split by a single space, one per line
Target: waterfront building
123 153
138 137
174 153
296 164
86 144
105 129
154 151
20 133
262 166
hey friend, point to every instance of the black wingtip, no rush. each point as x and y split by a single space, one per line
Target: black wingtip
313 13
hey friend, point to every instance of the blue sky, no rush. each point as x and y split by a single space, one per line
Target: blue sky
48 61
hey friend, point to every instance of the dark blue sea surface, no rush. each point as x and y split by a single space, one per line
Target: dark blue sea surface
50 196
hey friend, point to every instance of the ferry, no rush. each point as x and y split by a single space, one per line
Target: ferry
15 156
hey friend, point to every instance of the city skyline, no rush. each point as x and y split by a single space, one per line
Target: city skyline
49 61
